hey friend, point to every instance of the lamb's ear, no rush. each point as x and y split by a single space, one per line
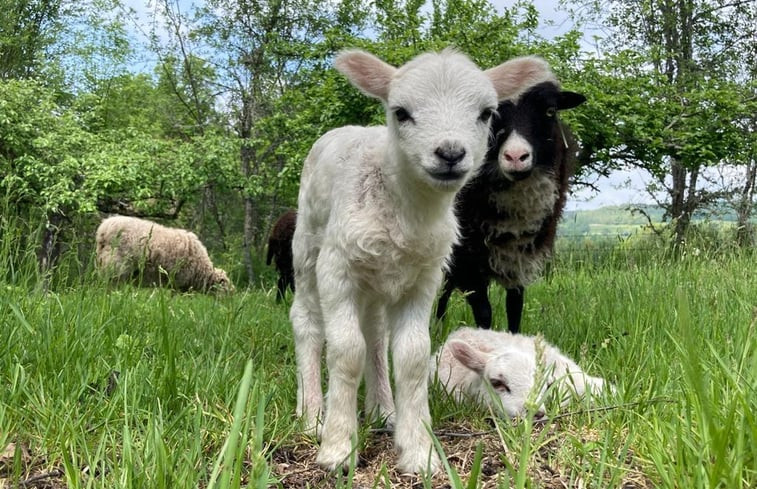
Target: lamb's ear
468 356
368 73
513 77
568 100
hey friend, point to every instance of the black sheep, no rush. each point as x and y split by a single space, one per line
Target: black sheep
509 213
280 251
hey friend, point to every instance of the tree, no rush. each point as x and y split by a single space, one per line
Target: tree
27 28
259 49
672 77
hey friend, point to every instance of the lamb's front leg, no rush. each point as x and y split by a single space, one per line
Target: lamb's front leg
307 326
411 347
379 403
345 358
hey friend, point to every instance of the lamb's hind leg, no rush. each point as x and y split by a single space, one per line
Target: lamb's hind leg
281 287
379 403
307 325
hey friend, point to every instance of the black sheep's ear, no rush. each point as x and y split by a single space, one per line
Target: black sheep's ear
568 100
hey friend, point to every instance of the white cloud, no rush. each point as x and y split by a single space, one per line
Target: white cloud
620 187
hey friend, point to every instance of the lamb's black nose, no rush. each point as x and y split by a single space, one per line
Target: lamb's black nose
450 154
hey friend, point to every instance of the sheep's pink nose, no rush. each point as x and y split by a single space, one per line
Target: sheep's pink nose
516 155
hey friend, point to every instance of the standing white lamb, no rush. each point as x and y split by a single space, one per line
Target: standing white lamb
504 370
375 224
131 248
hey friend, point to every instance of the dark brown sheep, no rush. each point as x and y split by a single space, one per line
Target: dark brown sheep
280 251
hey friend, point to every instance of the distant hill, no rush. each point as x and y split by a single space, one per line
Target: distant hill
621 220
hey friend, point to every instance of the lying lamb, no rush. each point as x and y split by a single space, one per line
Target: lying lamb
131 248
501 370
280 251
509 213
375 224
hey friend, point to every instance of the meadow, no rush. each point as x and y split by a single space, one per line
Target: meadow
125 387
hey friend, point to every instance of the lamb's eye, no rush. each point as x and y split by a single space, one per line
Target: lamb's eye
499 385
486 114
402 115
551 112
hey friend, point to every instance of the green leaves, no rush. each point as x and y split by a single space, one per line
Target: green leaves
40 146
51 158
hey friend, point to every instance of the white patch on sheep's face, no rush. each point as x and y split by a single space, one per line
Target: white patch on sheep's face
516 156
438 112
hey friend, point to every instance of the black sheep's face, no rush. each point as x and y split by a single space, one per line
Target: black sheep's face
525 132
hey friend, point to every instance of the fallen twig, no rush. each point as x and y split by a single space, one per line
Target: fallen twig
47 475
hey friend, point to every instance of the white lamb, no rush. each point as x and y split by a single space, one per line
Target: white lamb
501 370
375 224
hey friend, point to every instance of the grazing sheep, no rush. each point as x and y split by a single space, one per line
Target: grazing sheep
280 251
132 248
500 369
509 213
375 224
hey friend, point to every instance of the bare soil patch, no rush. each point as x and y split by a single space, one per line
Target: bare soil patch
294 464
21 468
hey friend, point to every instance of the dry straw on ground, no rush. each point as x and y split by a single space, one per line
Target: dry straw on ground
294 464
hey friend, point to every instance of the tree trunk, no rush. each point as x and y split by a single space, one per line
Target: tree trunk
249 212
210 199
49 251
744 228
689 206
677 193
677 34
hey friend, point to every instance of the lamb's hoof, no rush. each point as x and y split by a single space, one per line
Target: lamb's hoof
335 458
421 462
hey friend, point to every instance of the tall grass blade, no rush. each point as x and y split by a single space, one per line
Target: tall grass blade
225 463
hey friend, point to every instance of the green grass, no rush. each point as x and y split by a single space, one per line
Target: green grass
134 388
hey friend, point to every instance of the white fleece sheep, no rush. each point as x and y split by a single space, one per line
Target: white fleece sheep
501 370
375 224
132 248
